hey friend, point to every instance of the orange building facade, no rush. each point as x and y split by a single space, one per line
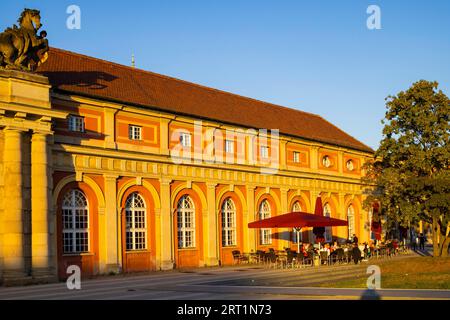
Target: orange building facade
147 172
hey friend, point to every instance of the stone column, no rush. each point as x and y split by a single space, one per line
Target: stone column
41 257
166 240
211 240
13 238
111 240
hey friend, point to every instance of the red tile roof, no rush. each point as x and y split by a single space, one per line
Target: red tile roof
78 74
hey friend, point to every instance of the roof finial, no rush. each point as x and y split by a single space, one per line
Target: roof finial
133 62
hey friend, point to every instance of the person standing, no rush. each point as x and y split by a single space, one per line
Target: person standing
422 242
356 253
355 239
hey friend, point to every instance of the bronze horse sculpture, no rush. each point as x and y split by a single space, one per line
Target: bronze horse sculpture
20 47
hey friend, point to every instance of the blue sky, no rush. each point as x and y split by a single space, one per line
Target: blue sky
316 56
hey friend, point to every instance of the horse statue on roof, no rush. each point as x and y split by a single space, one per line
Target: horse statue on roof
21 48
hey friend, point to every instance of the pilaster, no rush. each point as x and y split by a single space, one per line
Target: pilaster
110 243
166 238
211 239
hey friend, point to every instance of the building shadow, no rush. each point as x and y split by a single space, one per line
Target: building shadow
95 80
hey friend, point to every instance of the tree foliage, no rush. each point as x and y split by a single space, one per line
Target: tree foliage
410 170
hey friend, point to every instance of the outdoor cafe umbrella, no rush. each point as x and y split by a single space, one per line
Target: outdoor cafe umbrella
297 220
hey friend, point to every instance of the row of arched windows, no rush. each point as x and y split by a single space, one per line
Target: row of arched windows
75 222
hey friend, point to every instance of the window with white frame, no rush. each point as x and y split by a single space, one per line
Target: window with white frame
296 157
136 223
296 207
186 223
134 132
229 146
75 123
185 139
351 221
264 213
264 152
75 222
228 223
328 231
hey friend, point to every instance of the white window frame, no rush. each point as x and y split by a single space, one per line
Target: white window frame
75 123
265 212
264 152
296 207
351 221
296 157
186 210
229 146
135 208
70 211
134 132
228 223
185 139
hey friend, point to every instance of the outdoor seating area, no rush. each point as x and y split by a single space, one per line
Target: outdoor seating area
319 255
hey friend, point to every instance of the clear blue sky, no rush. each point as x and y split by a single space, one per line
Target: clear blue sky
316 56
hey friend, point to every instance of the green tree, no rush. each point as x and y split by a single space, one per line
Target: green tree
410 174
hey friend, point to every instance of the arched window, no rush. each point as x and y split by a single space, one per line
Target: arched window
328 231
264 213
75 222
351 221
228 223
296 207
186 223
136 223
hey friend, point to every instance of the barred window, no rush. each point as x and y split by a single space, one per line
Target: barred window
296 157
228 223
186 223
134 132
136 223
75 222
229 146
264 213
296 207
351 221
264 152
328 231
75 123
185 139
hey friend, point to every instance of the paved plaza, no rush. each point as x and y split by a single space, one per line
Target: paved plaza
245 282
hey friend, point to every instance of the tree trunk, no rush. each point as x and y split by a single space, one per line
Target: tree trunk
435 231
444 247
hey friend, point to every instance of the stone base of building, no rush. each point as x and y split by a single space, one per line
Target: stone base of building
167 265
